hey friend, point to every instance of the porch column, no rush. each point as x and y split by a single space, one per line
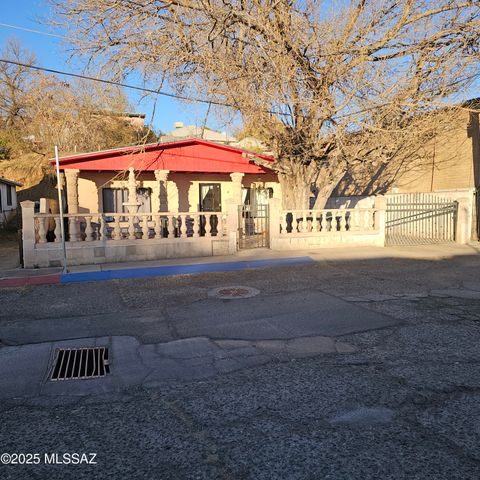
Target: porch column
72 190
72 202
161 177
237 187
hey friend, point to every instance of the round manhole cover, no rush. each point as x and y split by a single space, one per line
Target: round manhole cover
232 292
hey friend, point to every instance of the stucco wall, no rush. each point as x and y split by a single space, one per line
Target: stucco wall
7 211
182 188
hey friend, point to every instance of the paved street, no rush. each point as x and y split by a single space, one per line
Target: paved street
361 365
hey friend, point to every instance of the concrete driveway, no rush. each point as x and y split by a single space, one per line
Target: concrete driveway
347 368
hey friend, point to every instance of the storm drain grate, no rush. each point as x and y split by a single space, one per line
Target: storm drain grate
80 363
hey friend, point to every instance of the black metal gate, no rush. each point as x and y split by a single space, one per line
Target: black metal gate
420 218
253 226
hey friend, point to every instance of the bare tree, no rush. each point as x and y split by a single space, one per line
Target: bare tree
329 85
38 111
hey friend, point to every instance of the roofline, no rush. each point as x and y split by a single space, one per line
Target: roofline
10 182
152 146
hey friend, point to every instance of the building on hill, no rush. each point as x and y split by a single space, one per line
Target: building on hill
8 199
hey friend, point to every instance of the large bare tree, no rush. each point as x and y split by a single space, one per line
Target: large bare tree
329 84
38 111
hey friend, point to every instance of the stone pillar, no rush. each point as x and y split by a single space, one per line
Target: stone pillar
162 177
72 190
380 217
72 203
28 233
463 230
232 225
237 187
274 206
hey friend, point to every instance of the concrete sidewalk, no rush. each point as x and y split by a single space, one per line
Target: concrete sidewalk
244 259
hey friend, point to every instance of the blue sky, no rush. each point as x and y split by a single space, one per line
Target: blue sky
52 54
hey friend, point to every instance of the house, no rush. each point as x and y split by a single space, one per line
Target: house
447 166
183 132
8 199
191 175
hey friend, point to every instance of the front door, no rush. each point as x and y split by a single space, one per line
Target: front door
210 201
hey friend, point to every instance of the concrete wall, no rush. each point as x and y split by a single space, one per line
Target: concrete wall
183 189
82 252
447 164
96 252
372 233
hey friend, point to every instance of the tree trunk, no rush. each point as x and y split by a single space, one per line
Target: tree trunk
303 181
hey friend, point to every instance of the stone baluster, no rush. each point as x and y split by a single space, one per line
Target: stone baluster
131 227
196 225
102 228
304 222
42 231
284 222
88 229
158 226
171 226
318 225
297 222
73 229
58 230
117 231
145 227
208 225
183 228
342 220
326 221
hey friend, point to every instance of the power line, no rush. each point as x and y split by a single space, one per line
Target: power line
119 84
31 30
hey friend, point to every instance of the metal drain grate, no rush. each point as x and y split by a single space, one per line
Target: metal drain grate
80 363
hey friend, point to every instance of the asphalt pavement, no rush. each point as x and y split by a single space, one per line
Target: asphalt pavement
356 366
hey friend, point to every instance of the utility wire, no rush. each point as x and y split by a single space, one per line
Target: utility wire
119 84
31 30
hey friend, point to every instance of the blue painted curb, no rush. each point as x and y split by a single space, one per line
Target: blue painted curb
181 269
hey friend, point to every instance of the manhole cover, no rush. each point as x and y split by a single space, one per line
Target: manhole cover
232 292
80 363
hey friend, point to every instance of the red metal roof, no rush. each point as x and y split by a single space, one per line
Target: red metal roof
192 155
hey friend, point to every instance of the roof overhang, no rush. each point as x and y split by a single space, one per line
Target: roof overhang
191 155
10 182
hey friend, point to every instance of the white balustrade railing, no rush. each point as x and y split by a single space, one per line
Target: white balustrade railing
88 227
297 222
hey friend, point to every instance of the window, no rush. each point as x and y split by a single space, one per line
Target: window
114 198
256 196
210 197
9 195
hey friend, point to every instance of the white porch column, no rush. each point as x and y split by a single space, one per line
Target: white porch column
71 177
72 190
162 177
237 187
